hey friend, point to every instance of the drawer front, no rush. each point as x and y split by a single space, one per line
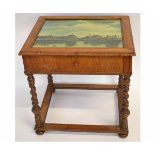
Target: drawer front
73 65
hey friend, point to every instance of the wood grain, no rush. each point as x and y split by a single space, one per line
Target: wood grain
35 107
45 103
73 65
81 128
127 65
127 35
124 110
85 86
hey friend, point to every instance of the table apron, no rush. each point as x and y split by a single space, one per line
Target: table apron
77 64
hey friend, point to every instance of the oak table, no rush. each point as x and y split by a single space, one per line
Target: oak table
85 45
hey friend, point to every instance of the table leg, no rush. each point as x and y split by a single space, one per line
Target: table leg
50 82
120 93
35 108
124 104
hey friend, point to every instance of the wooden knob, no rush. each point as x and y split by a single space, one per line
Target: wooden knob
76 63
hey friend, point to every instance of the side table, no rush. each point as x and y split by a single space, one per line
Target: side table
85 45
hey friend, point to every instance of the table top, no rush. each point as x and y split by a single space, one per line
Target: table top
80 35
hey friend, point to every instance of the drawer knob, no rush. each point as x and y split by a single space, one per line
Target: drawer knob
76 63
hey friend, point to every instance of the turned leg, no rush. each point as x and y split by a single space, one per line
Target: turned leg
50 82
120 94
124 104
35 108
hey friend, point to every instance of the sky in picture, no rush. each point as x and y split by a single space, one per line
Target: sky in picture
81 28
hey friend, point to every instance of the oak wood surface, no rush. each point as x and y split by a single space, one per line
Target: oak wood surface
34 99
73 64
85 86
124 110
45 103
81 128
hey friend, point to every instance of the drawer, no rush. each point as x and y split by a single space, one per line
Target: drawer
73 65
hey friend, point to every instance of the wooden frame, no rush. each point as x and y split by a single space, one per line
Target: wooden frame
127 50
40 113
92 61
74 127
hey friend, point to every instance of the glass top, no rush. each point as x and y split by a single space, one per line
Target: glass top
80 33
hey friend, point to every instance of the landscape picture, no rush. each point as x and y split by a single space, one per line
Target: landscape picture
80 33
